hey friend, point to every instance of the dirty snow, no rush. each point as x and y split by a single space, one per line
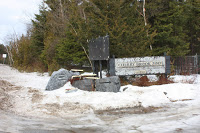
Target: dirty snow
177 105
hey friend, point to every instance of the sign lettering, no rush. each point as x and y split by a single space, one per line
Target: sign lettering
140 65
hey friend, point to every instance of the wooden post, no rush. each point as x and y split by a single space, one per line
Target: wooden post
108 68
100 64
95 66
196 65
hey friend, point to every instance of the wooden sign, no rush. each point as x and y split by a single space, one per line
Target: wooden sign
140 65
4 56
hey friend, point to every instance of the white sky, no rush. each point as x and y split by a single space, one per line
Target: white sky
15 14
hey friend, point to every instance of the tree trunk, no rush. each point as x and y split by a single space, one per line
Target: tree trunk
145 20
9 56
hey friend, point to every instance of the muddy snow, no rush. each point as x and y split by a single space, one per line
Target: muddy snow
26 107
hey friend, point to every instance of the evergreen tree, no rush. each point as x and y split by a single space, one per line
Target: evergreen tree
2 49
69 52
171 36
66 21
192 10
124 25
39 30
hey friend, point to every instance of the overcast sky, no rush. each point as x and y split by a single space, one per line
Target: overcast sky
15 14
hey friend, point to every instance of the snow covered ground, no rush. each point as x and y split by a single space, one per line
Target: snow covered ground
25 106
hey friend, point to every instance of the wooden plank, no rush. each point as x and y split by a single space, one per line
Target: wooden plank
88 75
76 76
91 77
77 70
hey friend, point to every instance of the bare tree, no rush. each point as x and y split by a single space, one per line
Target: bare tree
12 46
143 14
10 57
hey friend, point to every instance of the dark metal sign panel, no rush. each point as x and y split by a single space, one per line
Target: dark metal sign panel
140 65
99 48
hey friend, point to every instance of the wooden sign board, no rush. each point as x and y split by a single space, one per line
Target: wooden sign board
140 65
99 48
4 56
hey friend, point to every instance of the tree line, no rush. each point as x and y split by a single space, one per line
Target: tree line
59 34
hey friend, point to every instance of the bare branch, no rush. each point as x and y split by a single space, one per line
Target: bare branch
139 12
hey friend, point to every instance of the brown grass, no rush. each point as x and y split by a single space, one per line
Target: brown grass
144 81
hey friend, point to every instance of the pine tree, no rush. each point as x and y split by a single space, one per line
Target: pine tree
192 10
124 25
69 52
39 30
171 36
